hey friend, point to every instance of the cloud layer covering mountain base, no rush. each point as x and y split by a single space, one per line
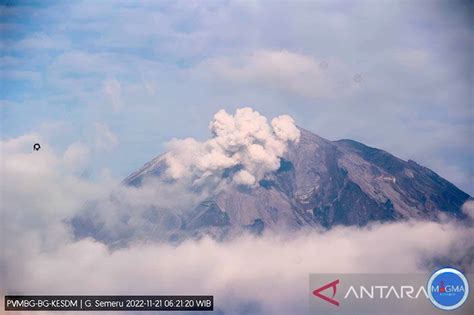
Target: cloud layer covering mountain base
267 274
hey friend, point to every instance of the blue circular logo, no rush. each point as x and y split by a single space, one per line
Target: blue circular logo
448 289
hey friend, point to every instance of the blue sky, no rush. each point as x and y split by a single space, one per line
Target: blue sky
124 77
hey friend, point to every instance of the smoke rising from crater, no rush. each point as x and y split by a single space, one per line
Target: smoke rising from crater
244 141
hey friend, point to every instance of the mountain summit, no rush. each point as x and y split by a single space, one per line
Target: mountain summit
320 183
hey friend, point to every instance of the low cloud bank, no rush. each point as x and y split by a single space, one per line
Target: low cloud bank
267 274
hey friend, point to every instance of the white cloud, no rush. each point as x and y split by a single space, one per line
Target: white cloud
42 41
468 208
270 272
38 191
82 62
76 156
113 91
20 75
105 139
277 69
413 58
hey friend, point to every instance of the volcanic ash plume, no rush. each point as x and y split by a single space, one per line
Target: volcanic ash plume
244 144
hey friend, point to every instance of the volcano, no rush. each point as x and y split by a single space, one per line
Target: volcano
260 177
319 183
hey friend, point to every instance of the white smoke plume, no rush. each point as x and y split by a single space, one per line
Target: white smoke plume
244 140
